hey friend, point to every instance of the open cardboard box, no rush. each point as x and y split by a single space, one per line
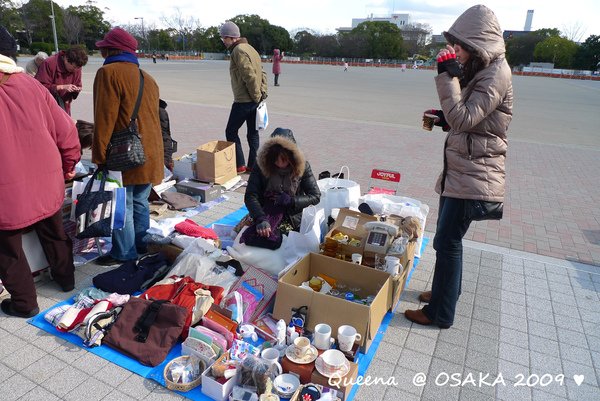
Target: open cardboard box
398 281
323 308
351 223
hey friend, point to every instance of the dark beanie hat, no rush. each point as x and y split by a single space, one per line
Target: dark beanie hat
118 38
8 44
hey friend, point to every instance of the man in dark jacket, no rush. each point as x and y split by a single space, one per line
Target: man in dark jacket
276 195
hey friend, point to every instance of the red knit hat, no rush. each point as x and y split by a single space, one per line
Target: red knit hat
118 38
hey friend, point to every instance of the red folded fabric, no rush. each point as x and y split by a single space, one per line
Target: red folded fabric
191 228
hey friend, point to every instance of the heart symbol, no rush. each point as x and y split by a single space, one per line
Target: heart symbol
578 379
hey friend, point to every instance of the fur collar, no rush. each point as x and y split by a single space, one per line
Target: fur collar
300 161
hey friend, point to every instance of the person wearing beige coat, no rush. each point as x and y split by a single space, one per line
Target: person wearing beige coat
116 88
474 86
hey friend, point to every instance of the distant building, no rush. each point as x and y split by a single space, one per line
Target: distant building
528 20
399 20
438 39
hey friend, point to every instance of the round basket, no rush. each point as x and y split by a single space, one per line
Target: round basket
183 386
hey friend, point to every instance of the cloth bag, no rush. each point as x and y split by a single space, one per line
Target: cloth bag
262 116
338 193
216 162
125 150
146 330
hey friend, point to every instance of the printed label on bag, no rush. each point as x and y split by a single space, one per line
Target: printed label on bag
350 222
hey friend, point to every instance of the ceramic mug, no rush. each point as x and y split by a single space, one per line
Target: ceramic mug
271 356
322 336
357 258
301 346
347 336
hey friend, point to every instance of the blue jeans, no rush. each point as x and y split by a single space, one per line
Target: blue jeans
240 113
128 243
452 225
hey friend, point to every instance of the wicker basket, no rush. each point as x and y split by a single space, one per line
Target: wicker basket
183 386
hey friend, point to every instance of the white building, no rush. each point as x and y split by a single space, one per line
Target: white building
400 20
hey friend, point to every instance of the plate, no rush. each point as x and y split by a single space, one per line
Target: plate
340 373
310 356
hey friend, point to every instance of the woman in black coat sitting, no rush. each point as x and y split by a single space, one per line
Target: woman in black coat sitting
280 186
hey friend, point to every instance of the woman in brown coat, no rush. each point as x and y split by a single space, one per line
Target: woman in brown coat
474 86
116 88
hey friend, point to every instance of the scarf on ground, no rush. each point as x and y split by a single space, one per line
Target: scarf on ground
8 65
124 57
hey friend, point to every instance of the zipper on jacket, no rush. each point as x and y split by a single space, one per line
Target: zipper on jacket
470 146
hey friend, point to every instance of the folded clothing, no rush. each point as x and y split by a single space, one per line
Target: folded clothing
191 228
178 201
133 275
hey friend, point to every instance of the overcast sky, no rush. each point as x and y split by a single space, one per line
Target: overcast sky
325 16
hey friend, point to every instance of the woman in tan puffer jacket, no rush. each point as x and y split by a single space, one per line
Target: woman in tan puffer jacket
474 86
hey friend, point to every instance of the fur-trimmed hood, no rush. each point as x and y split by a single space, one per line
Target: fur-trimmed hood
287 142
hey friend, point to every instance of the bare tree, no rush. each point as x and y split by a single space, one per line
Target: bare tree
73 28
574 32
184 26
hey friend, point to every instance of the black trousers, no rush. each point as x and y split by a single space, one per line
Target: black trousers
15 272
243 113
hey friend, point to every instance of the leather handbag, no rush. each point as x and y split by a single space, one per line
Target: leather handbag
478 210
125 150
146 330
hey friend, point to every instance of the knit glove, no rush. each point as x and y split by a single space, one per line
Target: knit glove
284 199
263 225
447 63
442 120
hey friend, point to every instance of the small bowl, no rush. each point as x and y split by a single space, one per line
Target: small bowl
286 384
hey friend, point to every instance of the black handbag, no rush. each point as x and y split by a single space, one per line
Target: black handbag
125 150
483 210
93 209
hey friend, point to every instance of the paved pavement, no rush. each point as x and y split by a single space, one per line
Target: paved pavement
529 306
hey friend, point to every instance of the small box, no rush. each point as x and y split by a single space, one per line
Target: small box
342 385
225 233
303 371
324 308
215 390
351 223
206 192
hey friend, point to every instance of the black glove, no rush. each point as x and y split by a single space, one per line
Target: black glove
448 63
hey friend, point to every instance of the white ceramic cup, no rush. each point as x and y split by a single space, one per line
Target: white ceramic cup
322 336
271 356
347 336
392 265
301 346
357 258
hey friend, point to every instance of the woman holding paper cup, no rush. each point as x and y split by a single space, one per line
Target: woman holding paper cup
278 190
474 86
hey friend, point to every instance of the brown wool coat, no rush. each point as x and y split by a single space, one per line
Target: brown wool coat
115 92
479 114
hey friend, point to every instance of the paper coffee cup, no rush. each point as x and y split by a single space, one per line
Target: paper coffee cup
428 121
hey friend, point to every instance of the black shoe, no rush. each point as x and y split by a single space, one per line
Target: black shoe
108 260
7 307
67 288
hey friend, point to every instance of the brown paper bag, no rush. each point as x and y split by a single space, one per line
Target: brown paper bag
216 162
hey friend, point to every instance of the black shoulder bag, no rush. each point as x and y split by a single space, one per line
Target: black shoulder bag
125 150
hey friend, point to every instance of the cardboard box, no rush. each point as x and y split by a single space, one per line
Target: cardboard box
171 251
398 282
215 390
323 308
206 192
303 371
342 385
216 162
351 223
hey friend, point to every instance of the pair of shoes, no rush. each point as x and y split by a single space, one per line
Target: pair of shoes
108 260
8 308
419 317
425 297
241 169
276 84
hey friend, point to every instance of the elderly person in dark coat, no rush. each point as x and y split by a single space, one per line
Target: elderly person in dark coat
116 88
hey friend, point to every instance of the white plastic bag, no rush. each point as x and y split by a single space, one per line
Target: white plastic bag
308 239
338 193
262 116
